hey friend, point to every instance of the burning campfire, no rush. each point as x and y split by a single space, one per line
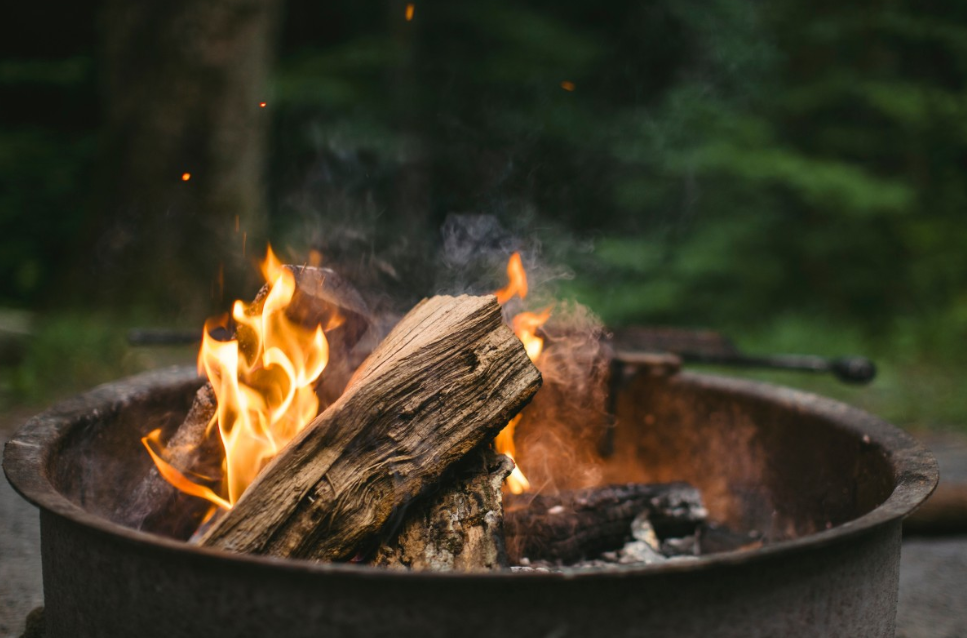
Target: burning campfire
280 456
396 467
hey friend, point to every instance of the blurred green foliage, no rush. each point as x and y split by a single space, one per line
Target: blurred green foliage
47 149
790 173
66 354
787 172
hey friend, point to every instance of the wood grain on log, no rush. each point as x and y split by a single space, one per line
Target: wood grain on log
458 528
446 378
576 524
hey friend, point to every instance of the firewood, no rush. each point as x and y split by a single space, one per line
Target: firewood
459 528
321 297
157 506
446 378
574 524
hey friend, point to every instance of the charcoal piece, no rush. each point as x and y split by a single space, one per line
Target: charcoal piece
574 525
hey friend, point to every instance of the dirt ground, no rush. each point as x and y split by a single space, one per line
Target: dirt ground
20 582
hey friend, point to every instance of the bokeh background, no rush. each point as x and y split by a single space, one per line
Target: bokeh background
790 173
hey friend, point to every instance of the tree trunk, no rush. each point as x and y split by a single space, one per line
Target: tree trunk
182 84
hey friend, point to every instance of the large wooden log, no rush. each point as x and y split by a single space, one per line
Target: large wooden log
572 525
458 528
446 378
321 297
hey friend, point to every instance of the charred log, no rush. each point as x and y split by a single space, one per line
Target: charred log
576 524
460 527
446 378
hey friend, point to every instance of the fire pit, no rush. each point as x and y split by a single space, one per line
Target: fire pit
827 485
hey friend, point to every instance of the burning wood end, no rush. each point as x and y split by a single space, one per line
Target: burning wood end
398 468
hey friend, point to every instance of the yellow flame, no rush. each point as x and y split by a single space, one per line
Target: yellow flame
263 382
271 267
525 326
516 483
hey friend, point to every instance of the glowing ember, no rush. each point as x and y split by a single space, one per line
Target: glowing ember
525 327
567 85
263 381
262 105
410 8
185 177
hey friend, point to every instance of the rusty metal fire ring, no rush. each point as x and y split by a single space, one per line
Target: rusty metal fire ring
104 579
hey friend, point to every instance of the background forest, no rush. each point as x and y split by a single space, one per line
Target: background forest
790 173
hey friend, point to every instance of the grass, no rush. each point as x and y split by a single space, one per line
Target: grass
71 352
920 396
919 382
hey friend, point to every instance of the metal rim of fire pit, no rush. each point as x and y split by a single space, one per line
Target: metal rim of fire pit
27 454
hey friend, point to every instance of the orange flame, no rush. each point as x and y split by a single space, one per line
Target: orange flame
517 279
410 8
263 382
176 478
525 326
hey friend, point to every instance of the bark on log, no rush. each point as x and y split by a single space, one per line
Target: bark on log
446 378
459 528
321 297
573 525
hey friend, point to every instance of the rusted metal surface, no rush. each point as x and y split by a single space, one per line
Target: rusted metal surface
791 463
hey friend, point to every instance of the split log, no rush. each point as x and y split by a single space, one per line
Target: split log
448 377
576 524
321 297
459 528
